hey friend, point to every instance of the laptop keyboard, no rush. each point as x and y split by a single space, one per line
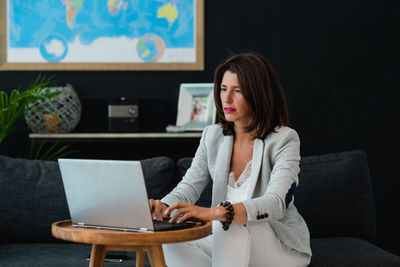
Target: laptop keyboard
165 225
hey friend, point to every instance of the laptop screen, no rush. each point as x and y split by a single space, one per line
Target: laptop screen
106 193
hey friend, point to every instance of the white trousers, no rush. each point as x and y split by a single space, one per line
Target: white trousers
253 246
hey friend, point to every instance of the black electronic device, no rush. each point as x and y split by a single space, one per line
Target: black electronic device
123 116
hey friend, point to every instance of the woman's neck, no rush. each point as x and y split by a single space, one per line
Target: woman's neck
241 135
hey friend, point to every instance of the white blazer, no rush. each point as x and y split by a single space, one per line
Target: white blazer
273 178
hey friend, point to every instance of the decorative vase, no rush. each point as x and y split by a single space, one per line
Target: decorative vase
59 114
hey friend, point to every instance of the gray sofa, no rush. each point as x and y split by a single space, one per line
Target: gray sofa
334 196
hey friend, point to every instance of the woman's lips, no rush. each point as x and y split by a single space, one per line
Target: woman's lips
229 110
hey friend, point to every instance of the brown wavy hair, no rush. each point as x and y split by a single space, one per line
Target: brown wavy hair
260 87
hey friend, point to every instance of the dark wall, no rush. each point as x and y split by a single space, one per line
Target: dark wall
338 62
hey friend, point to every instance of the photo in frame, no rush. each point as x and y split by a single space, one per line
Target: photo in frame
101 35
196 108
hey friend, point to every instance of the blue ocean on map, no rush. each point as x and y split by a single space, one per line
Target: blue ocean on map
53 25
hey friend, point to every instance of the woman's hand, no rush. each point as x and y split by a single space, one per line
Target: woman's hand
158 208
187 211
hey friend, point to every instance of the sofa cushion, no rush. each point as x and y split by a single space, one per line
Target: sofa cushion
335 195
349 252
31 198
160 176
205 198
32 195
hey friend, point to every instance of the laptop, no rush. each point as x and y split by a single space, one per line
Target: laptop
110 194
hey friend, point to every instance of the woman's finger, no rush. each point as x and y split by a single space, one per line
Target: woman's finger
151 204
174 206
157 210
176 215
184 217
180 212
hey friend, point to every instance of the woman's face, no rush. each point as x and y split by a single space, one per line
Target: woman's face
236 108
198 105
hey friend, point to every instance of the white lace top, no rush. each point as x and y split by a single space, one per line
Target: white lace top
237 190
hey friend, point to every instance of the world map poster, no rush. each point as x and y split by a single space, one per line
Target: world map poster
130 34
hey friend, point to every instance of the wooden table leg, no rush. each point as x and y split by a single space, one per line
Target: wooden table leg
140 255
97 256
156 256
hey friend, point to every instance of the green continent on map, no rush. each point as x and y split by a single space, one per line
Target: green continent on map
76 4
150 48
73 7
114 6
170 12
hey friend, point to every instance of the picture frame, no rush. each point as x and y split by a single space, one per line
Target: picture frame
196 108
155 50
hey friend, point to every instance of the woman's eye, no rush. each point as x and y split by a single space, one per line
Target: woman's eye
237 90
223 89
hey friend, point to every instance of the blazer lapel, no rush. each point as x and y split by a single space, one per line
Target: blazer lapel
222 165
255 167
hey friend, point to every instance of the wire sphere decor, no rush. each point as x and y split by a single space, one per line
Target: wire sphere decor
59 114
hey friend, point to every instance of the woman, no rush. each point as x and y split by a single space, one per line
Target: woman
197 112
253 158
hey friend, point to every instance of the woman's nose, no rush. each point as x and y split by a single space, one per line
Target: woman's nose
228 97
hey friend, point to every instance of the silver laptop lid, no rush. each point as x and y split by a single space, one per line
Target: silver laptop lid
106 193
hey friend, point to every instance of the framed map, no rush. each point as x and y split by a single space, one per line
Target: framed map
101 34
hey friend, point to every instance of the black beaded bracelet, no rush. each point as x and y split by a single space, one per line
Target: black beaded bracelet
228 215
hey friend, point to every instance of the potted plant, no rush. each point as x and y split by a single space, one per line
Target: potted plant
14 105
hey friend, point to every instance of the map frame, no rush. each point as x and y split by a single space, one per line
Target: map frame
198 65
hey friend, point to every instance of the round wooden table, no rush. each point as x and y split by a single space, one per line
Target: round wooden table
142 243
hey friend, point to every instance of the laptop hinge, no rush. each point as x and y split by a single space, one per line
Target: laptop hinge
80 224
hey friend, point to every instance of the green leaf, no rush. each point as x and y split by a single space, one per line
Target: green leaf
13 106
51 154
63 155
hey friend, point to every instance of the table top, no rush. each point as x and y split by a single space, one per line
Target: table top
64 230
